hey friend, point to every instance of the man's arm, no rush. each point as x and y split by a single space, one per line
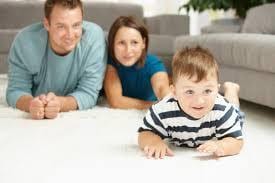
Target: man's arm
35 106
91 81
23 103
19 79
68 103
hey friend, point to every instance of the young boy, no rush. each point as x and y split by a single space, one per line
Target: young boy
194 114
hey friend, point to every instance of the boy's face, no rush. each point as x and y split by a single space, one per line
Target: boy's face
196 98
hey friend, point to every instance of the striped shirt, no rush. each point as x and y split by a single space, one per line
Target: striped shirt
168 120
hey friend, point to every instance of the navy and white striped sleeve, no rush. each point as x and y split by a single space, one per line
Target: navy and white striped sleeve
230 125
152 122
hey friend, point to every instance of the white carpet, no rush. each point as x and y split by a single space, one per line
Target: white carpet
101 144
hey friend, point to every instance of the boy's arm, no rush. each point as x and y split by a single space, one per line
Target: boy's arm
225 147
229 134
146 138
153 145
230 146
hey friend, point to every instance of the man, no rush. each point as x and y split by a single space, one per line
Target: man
57 65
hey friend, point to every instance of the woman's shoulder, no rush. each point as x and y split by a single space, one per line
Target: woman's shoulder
152 57
154 64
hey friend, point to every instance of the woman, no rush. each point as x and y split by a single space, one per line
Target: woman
134 79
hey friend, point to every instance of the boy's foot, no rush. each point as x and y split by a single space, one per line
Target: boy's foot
231 92
231 87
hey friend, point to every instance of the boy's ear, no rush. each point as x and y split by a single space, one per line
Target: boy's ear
219 86
173 91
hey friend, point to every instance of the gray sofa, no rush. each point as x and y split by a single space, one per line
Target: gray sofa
163 29
245 51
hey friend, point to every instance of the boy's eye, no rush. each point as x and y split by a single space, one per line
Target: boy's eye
208 91
189 92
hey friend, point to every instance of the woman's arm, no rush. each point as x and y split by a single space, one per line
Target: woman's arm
113 91
160 84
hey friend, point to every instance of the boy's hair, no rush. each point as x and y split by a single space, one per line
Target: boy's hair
70 4
131 22
194 62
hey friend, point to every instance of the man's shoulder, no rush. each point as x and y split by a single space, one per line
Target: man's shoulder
30 44
31 36
91 31
31 30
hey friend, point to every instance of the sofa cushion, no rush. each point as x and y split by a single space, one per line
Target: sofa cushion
6 39
18 14
104 13
252 51
260 19
163 46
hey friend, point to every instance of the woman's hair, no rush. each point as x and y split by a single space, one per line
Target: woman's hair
70 4
194 62
131 22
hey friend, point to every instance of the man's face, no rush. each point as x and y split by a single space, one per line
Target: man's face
65 29
196 98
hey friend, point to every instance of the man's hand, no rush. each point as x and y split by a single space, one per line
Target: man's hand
211 146
53 106
157 150
36 108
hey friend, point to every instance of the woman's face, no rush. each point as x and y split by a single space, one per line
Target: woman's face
128 46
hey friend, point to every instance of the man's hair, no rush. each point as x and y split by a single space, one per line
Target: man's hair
70 4
131 22
194 62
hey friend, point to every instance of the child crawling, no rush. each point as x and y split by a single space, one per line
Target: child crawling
194 114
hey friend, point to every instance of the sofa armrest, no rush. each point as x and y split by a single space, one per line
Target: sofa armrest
168 24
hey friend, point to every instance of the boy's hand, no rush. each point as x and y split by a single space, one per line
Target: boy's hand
211 146
157 150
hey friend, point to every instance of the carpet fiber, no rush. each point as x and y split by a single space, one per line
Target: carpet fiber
101 144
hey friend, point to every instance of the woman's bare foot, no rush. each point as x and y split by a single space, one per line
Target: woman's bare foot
231 92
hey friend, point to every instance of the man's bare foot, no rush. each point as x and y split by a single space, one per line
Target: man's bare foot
231 92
